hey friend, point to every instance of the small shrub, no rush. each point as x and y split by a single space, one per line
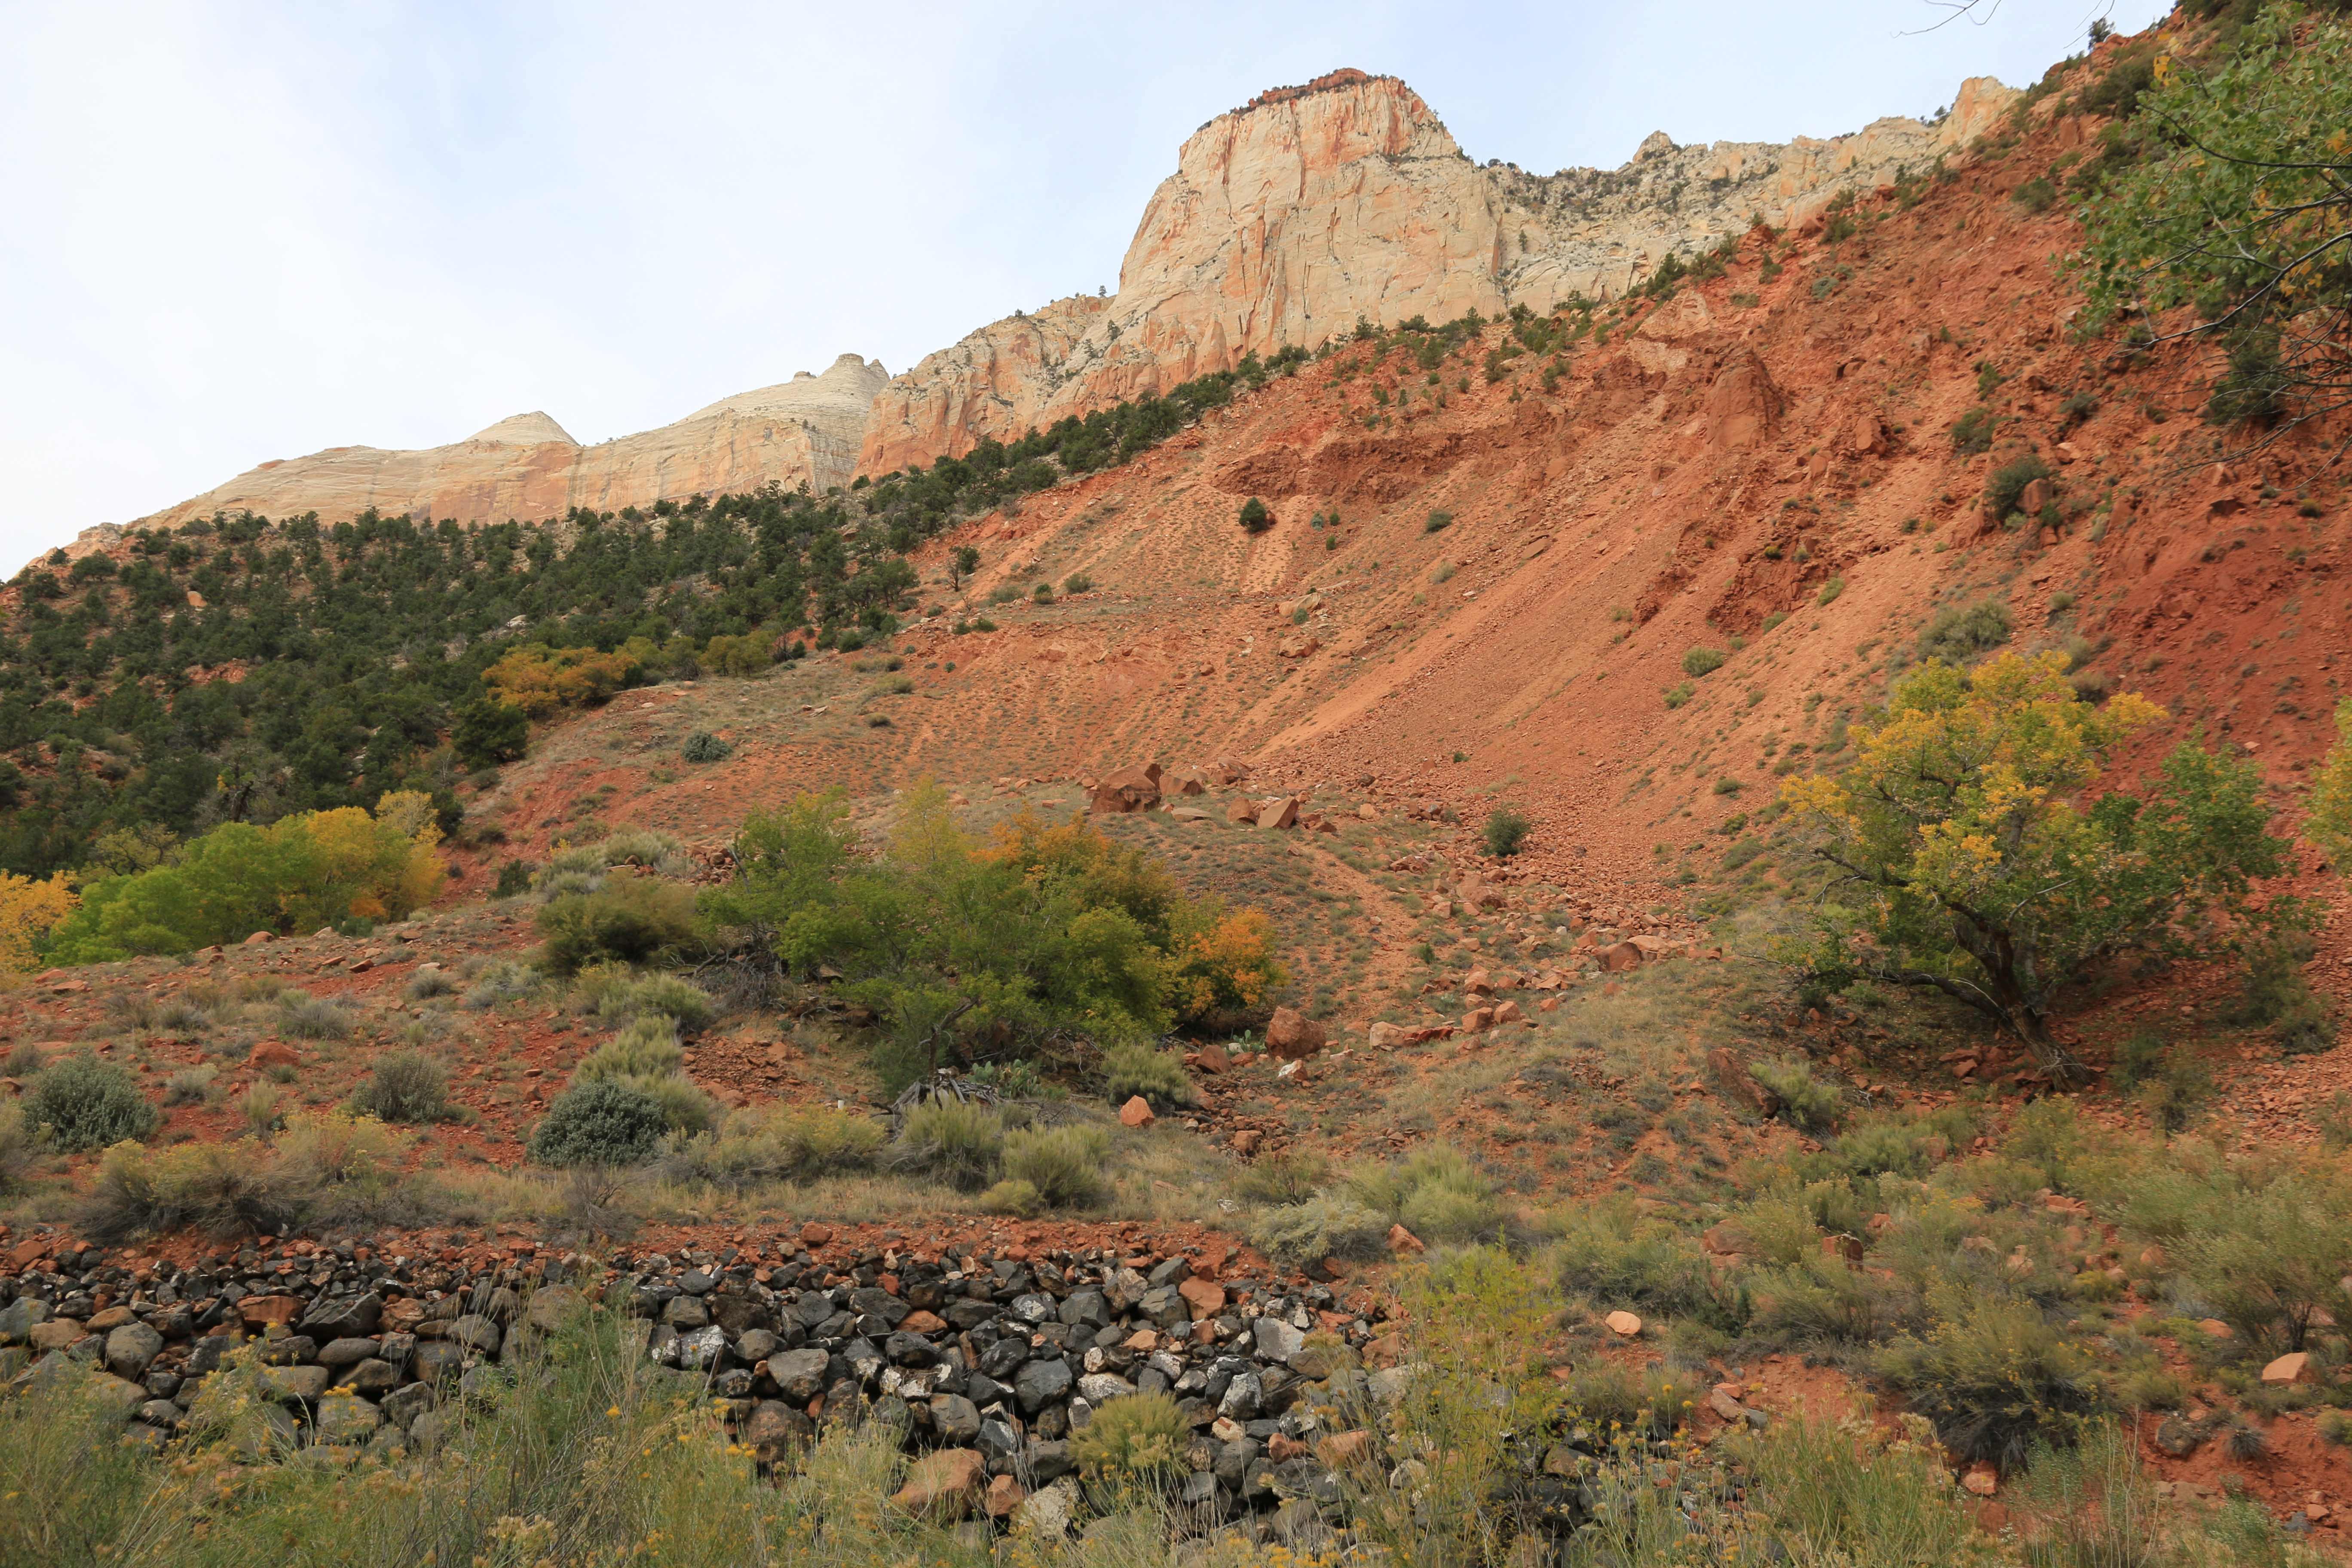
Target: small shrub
1064 1164
79 1102
1506 832
1435 1193
221 1189
1996 1383
1043 592
1138 1438
2007 487
1077 582
1437 523
312 1019
1972 432
2278 995
1292 1176
1727 784
1018 1198
514 879
670 996
1805 1102
784 1143
1682 691
1829 591
262 1107
950 1141
1325 1226
2036 194
646 1047
683 1108
429 981
1618 1258
16 1144
190 1085
1254 516
1958 635
406 1087
1158 1076
504 981
1701 661
604 1121
702 746
634 920
1002 594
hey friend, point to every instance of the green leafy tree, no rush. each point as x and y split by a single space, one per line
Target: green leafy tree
961 565
488 731
2242 208
1967 861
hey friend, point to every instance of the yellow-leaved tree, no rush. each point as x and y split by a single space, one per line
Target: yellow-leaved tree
1970 857
29 912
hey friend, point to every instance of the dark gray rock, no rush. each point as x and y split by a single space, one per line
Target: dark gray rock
955 1419
370 1377
1040 1382
129 1348
1085 1309
801 1374
873 1302
347 1353
475 1332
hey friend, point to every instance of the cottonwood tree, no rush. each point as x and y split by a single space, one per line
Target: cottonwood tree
2240 207
1968 858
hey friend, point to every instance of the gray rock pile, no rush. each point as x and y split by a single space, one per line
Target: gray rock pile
985 1365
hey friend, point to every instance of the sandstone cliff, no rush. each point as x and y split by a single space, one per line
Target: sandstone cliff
1292 217
805 430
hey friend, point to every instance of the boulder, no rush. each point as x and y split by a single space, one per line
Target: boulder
943 1483
1403 1243
1278 811
55 1335
1291 1037
273 1054
1384 1037
2179 1437
1125 790
1136 1112
289 1385
2292 1368
1508 1012
1620 957
346 1418
131 1349
801 1374
1242 813
1623 1324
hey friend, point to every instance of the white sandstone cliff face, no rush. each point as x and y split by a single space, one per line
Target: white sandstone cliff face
1290 218
802 431
1286 221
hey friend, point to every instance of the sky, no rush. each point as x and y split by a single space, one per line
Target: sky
234 231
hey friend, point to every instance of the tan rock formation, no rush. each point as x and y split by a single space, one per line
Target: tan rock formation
805 430
1289 219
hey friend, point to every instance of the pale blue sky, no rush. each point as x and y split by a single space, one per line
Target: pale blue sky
235 232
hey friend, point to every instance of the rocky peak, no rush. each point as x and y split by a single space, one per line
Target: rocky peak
1289 219
524 430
